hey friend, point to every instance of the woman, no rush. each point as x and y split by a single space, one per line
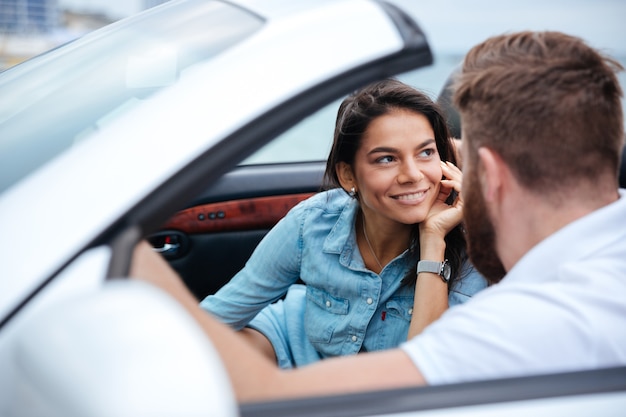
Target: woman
356 246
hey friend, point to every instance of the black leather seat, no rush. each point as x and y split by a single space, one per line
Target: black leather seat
454 121
445 101
622 169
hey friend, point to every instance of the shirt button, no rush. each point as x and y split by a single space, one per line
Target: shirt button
327 303
354 338
410 311
369 300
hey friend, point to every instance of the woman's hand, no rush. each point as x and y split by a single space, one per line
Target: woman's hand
443 217
431 293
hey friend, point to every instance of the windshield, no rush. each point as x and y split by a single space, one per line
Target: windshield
60 98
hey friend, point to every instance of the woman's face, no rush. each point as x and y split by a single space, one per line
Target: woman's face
397 169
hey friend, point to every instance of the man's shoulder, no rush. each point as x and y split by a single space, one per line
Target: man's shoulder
516 328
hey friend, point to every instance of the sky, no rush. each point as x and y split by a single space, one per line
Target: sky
459 24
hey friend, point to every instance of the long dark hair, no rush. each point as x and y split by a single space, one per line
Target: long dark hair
356 113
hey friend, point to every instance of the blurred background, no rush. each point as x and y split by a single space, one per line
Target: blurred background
31 27
28 27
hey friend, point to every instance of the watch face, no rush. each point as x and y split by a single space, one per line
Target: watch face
446 270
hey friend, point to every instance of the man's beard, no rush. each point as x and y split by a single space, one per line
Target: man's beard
481 237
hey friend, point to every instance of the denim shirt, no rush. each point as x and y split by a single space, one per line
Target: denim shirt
348 307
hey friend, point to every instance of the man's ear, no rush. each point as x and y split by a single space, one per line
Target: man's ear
346 176
492 173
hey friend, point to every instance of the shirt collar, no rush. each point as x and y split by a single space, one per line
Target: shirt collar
576 241
341 235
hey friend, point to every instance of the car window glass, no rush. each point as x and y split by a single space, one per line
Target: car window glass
75 91
311 139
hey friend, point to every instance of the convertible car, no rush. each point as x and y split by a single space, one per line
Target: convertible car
164 126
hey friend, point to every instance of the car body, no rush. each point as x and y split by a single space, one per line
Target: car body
136 131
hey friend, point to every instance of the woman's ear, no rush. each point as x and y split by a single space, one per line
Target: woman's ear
346 176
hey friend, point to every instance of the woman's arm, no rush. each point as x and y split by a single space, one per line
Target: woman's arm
256 378
269 272
431 292
259 342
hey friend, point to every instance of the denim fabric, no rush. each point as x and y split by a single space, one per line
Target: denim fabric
282 321
347 308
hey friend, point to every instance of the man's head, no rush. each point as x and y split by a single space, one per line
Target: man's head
550 107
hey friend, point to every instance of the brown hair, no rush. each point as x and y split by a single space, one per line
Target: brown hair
356 113
548 104
359 109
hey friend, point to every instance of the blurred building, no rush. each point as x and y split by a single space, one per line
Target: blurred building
25 28
30 27
28 16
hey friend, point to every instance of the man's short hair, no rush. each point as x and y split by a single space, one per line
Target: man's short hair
549 104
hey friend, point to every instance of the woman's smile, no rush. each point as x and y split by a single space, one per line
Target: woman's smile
414 197
397 169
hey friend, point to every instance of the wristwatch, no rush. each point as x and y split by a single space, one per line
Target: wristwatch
440 268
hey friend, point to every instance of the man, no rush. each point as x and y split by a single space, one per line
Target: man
542 137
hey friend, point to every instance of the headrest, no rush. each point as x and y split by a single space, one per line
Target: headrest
622 168
445 102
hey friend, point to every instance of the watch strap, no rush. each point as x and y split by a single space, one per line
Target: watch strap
433 267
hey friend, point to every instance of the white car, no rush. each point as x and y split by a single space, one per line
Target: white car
139 130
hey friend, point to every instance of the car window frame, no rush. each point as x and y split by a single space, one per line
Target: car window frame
451 397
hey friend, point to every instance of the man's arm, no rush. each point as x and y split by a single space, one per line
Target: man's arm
253 376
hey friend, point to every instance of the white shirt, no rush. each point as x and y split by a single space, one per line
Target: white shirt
562 307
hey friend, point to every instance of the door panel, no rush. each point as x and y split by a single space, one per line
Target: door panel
243 214
211 239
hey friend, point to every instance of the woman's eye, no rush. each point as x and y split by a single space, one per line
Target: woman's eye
427 152
384 159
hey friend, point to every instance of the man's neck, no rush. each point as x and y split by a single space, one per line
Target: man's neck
528 218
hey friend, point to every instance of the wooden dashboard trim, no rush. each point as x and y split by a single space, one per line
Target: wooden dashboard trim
245 214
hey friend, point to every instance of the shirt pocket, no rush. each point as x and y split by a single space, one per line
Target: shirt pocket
324 312
399 308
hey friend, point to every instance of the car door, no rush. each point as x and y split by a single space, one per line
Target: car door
600 392
211 239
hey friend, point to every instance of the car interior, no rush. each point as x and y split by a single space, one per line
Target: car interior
209 241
